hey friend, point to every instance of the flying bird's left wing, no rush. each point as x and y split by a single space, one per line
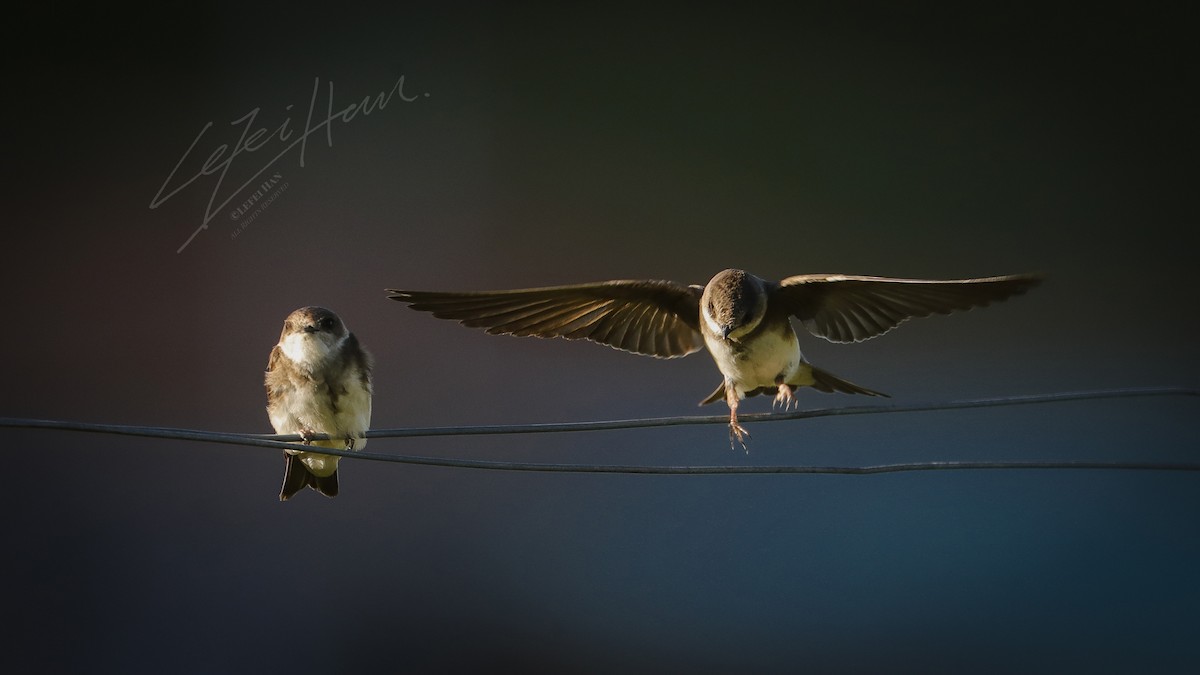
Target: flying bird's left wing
656 318
844 308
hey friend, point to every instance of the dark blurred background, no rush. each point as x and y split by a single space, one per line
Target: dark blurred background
547 145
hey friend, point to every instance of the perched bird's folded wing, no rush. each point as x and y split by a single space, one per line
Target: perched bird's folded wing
656 318
273 379
843 308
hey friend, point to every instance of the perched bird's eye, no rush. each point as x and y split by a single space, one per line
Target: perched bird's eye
326 324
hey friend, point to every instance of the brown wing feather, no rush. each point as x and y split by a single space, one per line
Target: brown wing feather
270 381
843 308
656 318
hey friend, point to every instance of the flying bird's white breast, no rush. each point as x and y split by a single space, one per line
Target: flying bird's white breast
757 360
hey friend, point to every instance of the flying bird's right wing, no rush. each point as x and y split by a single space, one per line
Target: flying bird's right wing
845 308
655 318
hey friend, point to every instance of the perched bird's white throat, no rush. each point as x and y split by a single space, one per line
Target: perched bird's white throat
311 349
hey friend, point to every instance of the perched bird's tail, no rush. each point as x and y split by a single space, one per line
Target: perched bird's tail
829 383
296 477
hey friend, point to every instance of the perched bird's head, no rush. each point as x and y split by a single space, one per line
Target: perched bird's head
733 303
311 334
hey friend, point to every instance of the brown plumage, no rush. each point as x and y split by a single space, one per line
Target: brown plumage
742 319
318 380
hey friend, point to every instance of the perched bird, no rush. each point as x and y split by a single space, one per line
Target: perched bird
318 381
745 321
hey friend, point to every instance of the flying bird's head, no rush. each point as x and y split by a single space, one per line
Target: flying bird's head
311 335
733 303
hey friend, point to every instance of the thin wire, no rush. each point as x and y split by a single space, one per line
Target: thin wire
561 427
283 441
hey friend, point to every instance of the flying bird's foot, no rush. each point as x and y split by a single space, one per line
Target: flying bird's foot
785 399
739 435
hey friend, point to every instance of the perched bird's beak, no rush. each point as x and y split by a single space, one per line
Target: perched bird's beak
311 329
726 331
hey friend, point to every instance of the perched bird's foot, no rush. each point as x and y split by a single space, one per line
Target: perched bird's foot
349 443
739 435
785 399
306 435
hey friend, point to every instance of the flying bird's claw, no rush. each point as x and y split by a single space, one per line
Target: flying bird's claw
785 399
738 434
